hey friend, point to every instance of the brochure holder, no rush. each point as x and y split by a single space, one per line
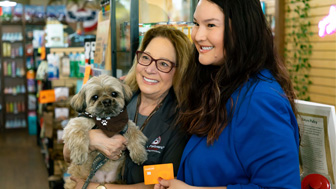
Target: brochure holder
318 133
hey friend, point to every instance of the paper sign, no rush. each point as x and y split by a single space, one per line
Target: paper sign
47 96
153 172
87 74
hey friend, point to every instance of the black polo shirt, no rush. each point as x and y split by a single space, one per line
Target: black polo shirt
165 140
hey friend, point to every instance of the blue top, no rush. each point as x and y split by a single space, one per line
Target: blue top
259 148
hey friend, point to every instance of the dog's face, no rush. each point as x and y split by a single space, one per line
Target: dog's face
102 96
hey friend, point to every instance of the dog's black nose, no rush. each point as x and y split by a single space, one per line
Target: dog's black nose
107 103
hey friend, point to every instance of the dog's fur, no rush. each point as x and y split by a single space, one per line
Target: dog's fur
76 133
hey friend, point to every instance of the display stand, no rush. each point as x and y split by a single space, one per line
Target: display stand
318 139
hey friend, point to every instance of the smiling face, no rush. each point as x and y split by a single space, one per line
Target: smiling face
208 33
151 81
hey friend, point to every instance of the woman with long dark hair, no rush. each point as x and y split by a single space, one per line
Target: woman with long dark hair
238 104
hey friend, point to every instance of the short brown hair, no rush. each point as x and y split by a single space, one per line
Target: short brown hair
183 49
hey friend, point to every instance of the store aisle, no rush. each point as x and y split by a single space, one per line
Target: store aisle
21 162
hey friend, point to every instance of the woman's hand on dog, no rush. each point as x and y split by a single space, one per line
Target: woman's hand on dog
110 147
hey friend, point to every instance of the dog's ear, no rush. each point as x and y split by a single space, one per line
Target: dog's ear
78 101
127 93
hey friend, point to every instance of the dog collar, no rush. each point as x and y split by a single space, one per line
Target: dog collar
124 130
110 125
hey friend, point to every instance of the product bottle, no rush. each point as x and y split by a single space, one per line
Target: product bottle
13 69
81 65
9 69
5 68
72 66
15 108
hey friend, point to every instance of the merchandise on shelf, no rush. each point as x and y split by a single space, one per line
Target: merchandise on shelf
11 50
15 107
15 123
12 70
13 92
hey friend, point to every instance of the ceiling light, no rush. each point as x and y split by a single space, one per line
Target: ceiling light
7 3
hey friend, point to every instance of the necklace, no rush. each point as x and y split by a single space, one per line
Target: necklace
149 116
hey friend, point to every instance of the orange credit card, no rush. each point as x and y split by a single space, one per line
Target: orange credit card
153 172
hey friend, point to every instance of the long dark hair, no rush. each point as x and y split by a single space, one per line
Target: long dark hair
248 49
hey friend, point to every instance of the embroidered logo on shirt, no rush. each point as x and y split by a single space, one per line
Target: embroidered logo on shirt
154 147
157 141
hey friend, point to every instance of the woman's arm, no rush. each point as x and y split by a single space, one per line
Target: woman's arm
92 185
267 143
177 184
111 147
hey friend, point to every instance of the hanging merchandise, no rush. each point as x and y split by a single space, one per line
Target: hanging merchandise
42 71
31 85
17 12
53 66
61 93
6 13
29 62
55 37
61 113
38 38
29 49
31 102
34 13
56 12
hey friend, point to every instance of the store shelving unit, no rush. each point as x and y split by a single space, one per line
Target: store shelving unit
32 63
1 94
13 76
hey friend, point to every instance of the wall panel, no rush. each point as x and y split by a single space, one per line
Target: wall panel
323 58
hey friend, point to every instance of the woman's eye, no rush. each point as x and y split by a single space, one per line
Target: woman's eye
114 94
95 97
164 64
196 24
145 57
211 25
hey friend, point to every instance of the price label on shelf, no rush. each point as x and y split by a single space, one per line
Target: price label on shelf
87 74
47 96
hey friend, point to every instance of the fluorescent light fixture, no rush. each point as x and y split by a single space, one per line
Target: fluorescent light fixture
7 3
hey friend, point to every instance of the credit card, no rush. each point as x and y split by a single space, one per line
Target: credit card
153 172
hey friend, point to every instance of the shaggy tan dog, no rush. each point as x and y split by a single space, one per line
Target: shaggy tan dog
102 103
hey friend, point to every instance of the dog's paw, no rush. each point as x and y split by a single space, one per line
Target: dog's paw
139 155
69 184
136 144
